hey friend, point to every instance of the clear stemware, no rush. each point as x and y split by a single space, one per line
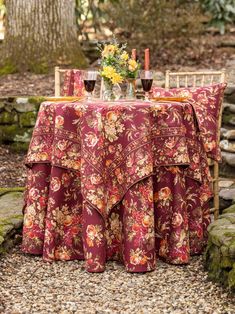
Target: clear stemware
89 79
146 77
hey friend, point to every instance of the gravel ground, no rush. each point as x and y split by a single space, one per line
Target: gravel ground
12 169
29 285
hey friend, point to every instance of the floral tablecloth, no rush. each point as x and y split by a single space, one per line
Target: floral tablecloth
125 181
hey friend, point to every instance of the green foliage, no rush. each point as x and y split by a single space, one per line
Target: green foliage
89 13
2 7
156 24
222 12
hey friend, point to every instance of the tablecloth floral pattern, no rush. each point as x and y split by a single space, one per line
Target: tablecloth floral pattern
125 181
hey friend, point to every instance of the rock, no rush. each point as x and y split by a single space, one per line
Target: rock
230 89
228 118
227 146
2 105
20 147
228 194
20 106
8 117
231 279
227 197
11 216
229 134
231 98
14 133
225 183
232 250
8 190
229 158
230 209
27 119
23 100
229 107
220 252
223 131
229 216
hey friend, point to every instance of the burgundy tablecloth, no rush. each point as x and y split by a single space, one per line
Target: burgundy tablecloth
126 181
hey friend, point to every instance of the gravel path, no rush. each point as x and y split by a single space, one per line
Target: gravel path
28 285
12 169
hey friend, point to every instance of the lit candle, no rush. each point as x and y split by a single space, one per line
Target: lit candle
133 54
146 59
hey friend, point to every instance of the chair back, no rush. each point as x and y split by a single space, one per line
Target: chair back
72 85
193 79
200 79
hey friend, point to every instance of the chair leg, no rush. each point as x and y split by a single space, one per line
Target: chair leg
216 190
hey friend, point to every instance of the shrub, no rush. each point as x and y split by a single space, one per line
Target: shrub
222 12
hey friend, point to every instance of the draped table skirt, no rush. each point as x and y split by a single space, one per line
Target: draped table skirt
98 191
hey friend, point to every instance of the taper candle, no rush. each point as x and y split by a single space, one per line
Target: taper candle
146 59
133 54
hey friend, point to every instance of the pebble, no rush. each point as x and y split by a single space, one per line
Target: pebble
29 285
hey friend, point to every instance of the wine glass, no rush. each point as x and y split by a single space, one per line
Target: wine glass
89 79
146 77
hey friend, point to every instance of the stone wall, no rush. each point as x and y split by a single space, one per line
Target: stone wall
11 216
17 119
227 143
220 253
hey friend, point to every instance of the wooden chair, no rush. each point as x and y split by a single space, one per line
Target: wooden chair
73 83
58 73
198 79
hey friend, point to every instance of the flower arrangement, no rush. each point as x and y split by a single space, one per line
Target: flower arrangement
116 64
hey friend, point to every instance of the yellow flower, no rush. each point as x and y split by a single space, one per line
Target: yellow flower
116 78
132 65
110 73
124 56
109 50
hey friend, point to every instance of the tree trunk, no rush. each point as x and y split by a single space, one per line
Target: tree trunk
41 33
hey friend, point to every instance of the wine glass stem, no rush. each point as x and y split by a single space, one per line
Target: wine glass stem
146 96
89 96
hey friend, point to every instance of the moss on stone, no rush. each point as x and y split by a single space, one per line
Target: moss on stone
219 257
8 117
226 262
8 132
20 147
27 119
36 101
231 278
14 133
9 190
230 209
9 221
228 118
229 216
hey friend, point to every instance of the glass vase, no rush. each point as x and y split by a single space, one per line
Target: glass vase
130 91
108 93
